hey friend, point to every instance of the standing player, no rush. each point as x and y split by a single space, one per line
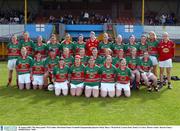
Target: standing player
123 79
143 47
92 79
133 63
60 77
132 43
117 59
104 44
41 48
51 61
67 43
108 76
14 48
54 45
84 58
38 70
77 77
118 46
145 68
28 43
23 68
152 50
79 44
91 43
166 53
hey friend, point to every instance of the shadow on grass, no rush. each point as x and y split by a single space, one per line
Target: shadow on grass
37 96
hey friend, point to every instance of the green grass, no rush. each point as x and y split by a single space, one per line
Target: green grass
44 108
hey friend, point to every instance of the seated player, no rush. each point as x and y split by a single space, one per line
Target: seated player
92 79
118 45
145 68
41 48
60 78
97 58
67 43
108 74
79 44
104 44
14 48
23 68
68 59
77 77
123 79
37 73
117 59
51 61
84 58
133 62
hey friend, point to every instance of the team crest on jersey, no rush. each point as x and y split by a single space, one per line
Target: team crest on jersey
23 66
62 76
150 48
38 68
122 78
14 50
165 50
108 75
91 75
78 74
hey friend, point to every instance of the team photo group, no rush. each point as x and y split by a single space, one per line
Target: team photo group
107 68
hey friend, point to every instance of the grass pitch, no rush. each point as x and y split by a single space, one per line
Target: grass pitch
36 107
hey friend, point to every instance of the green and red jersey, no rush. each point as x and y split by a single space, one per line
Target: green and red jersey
98 60
145 65
29 46
77 74
38 68
42 49
51 63
23 66
69 45
84 60
123 76
128 48
61 74
14 50
116 61
56 47
108 75
132 63
78 46
152 47
142 49
69 60
92 76
102 46
116 47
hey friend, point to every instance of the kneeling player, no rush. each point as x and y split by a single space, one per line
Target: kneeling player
108 73
77 77
123 79
38 70
92 77
60 75
23 68
145 67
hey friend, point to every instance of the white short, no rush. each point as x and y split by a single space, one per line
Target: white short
24 78
166 63
154 60
12 64
78 85
108 86
38 80
126 87
92 87
148 74
61 85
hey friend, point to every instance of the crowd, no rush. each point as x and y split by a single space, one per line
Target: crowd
97 68
83 18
